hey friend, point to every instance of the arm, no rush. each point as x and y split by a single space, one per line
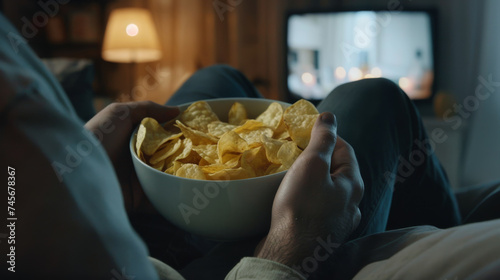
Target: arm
315 208
113 127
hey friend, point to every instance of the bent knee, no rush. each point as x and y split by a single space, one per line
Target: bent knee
375 91
224 68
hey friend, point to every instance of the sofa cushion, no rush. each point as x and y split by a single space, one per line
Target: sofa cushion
479 203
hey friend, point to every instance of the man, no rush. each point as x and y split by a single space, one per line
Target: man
70 215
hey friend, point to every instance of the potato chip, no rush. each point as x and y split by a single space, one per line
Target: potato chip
249 125
200 146
233 161
141 136
218 128
191 171
140 155
230 143
251 132
198 115
187 147
203 162
174 167
231 174
151 136
274 168
299 119
183 152
213 168
272 116
281 132
159 165
300 127
255 160
271 147
170 170
230 157
237 114
288 153
193 157
197 137
207 152
253 136
165 151
301 107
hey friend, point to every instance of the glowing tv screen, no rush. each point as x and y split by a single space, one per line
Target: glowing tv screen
326 49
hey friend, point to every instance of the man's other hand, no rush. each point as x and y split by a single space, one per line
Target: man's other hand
113 126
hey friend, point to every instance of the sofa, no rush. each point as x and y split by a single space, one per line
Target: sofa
476 204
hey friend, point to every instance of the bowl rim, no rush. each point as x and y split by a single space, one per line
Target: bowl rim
235 99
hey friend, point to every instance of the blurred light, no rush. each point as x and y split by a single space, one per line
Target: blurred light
355 74
308 79
376 72
405 84
368 76
131 37
340 73
132 30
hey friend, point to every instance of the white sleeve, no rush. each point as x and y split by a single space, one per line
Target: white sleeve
262 269
470 251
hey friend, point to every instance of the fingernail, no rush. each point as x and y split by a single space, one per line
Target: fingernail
328 118
175 109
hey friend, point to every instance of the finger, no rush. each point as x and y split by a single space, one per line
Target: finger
344 163
316 158
143 109
343 154
323 135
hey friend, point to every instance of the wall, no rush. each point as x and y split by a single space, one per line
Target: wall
468 44
194 34
249 36
482 158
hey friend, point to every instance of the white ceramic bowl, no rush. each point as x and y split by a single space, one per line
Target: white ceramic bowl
220 210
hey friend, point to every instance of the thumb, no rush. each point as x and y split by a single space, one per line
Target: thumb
153 110
323 135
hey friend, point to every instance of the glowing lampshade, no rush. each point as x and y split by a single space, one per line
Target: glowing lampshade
131 37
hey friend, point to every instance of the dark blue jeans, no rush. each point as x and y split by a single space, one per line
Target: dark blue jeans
404 183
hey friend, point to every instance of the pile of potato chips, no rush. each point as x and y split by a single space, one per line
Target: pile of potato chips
197 145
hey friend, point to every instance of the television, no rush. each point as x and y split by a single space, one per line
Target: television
327 48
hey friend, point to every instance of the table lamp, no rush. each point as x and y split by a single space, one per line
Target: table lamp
131 37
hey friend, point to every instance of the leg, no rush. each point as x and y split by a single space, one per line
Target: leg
165 241
385 130
218 81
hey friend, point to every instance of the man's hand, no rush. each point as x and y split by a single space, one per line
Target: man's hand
317 199
113 126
